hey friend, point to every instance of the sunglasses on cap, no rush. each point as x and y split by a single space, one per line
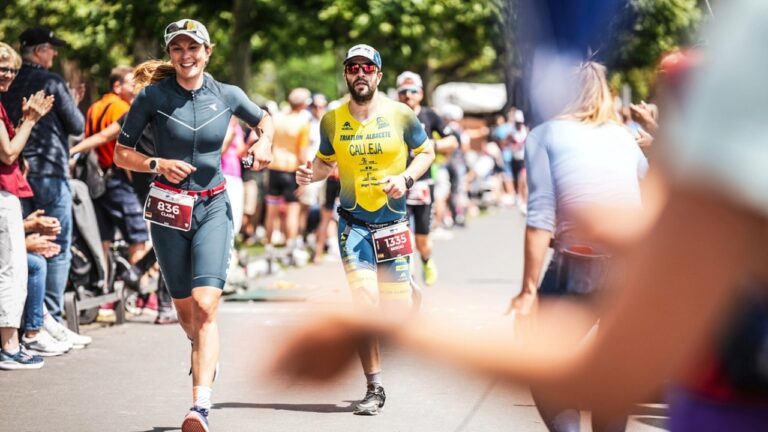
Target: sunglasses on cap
408 91
354 68
10 71
187 25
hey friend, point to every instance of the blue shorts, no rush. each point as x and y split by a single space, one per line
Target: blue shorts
198 257
119 209
372 283
578 278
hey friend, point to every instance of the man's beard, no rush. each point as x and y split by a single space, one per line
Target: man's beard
360 98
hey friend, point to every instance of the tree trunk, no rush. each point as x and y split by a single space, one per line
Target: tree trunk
241 52
511 55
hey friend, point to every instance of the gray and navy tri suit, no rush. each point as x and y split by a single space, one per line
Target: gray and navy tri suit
190 126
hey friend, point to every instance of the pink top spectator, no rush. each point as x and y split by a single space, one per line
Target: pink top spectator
11 179
230 159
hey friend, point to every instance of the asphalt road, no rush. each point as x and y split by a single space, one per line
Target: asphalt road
133 378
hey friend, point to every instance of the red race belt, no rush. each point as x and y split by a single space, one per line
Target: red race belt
203 193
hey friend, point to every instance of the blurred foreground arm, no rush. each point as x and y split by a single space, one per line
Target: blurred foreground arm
691 261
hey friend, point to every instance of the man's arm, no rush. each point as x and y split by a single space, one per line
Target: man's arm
66 108
449 140
446 144
104 136
421 162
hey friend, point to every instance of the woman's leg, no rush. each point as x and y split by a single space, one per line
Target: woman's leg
13 271
197 316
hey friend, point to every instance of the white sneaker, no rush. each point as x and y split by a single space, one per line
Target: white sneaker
62 333
300 257
44 345
523 208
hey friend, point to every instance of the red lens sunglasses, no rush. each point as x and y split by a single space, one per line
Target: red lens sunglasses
354 68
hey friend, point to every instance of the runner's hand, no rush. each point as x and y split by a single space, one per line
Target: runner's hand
304 174
262 153
394 186
174 170
523 304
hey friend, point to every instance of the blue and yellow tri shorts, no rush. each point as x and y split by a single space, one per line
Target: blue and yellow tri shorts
372 283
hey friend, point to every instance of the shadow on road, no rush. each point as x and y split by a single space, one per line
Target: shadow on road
316 408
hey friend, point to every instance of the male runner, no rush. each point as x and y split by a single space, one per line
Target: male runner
369 138
421 196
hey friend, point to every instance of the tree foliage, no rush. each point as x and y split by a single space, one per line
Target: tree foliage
273 45
647 30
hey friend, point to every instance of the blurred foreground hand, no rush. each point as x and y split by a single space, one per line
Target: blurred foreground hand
326 346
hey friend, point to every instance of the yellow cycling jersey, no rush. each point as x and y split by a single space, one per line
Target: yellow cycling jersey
368 152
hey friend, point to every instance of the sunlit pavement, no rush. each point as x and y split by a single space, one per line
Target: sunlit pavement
134 377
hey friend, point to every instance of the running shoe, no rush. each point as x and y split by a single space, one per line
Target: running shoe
430 272
372 402
44 345
20 360
196 420
63 334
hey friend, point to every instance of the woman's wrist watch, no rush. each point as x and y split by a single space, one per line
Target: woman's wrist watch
408 181
153 164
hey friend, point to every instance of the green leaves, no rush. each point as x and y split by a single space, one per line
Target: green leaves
274 45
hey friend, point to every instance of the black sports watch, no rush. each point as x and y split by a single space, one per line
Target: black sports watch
153 165
408 181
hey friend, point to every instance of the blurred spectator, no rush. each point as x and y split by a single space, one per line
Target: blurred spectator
310 197
233 149
457 169
289 150
583 158
518 136
118 208
326 228
420 196
47 151
40 246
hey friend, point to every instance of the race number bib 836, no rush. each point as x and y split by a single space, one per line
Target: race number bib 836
392 242
170 209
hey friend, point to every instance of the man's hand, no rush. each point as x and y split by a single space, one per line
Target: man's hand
261 151
174 170
304 174
42 245
394 186
77 93
45 225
